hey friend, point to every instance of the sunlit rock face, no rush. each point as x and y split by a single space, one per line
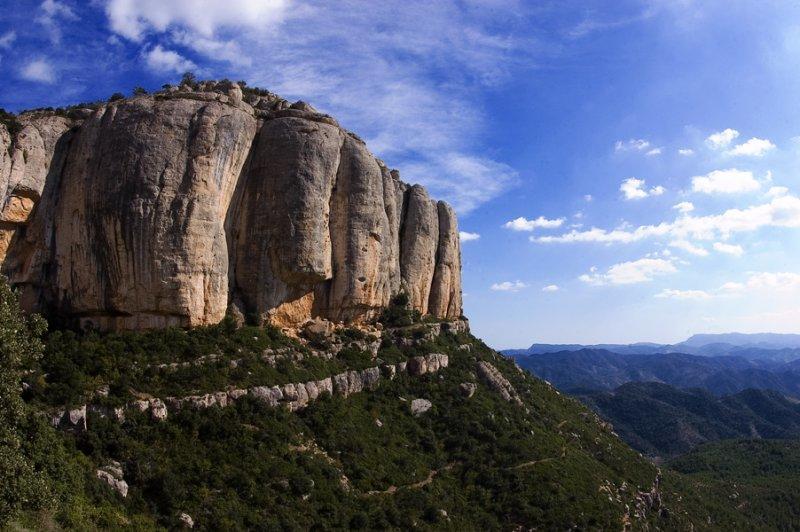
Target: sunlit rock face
168 209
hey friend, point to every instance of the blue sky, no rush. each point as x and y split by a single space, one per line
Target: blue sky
626 170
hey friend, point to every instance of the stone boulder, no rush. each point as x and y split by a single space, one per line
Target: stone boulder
420 406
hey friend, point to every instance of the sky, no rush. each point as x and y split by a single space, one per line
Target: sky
623 171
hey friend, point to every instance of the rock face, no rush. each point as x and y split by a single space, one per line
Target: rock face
170 209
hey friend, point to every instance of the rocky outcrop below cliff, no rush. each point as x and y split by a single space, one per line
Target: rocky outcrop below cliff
175 208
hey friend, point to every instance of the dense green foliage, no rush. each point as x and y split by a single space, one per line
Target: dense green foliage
663 421
360 462
761 478
39 475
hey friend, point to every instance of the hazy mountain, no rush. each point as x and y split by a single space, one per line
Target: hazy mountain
593 369
762 346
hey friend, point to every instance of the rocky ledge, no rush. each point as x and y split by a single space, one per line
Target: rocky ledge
178 207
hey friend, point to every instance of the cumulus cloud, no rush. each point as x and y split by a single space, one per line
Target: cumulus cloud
754 147
730 181
684 207
688 247
721 139
783 211
550 288
508 286
654 151
465 236
161 60
729 249
38 70
686 152
631 145
693 295
588 198
523 224
632 272
633 189
134 18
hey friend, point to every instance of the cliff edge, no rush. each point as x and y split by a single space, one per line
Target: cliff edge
177 207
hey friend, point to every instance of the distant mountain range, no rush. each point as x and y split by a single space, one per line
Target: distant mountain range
598 369
664 400
759 346
662 421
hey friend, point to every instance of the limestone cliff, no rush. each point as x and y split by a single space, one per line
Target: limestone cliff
168 209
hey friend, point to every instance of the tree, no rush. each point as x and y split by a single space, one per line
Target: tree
139 91
20 345
189 79
116 96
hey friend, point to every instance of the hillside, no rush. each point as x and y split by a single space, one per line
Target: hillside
589 369
154 432
662 421
760 477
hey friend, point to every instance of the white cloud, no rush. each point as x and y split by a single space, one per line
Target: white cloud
631 145
764 283
161 60
632 272
7 39
39 70
754 147
550 288
654 151
466 181
133 18
779 212
729 249
684 207
508 286
588 198
775 192
633 189
51 12
465 236
523 224
730 181
688 247
694 295
686 152
721 139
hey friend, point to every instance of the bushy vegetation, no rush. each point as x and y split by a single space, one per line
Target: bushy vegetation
10 121
761 478
364 462
42 481
399 312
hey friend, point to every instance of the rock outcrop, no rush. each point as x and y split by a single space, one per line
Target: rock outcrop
171 209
